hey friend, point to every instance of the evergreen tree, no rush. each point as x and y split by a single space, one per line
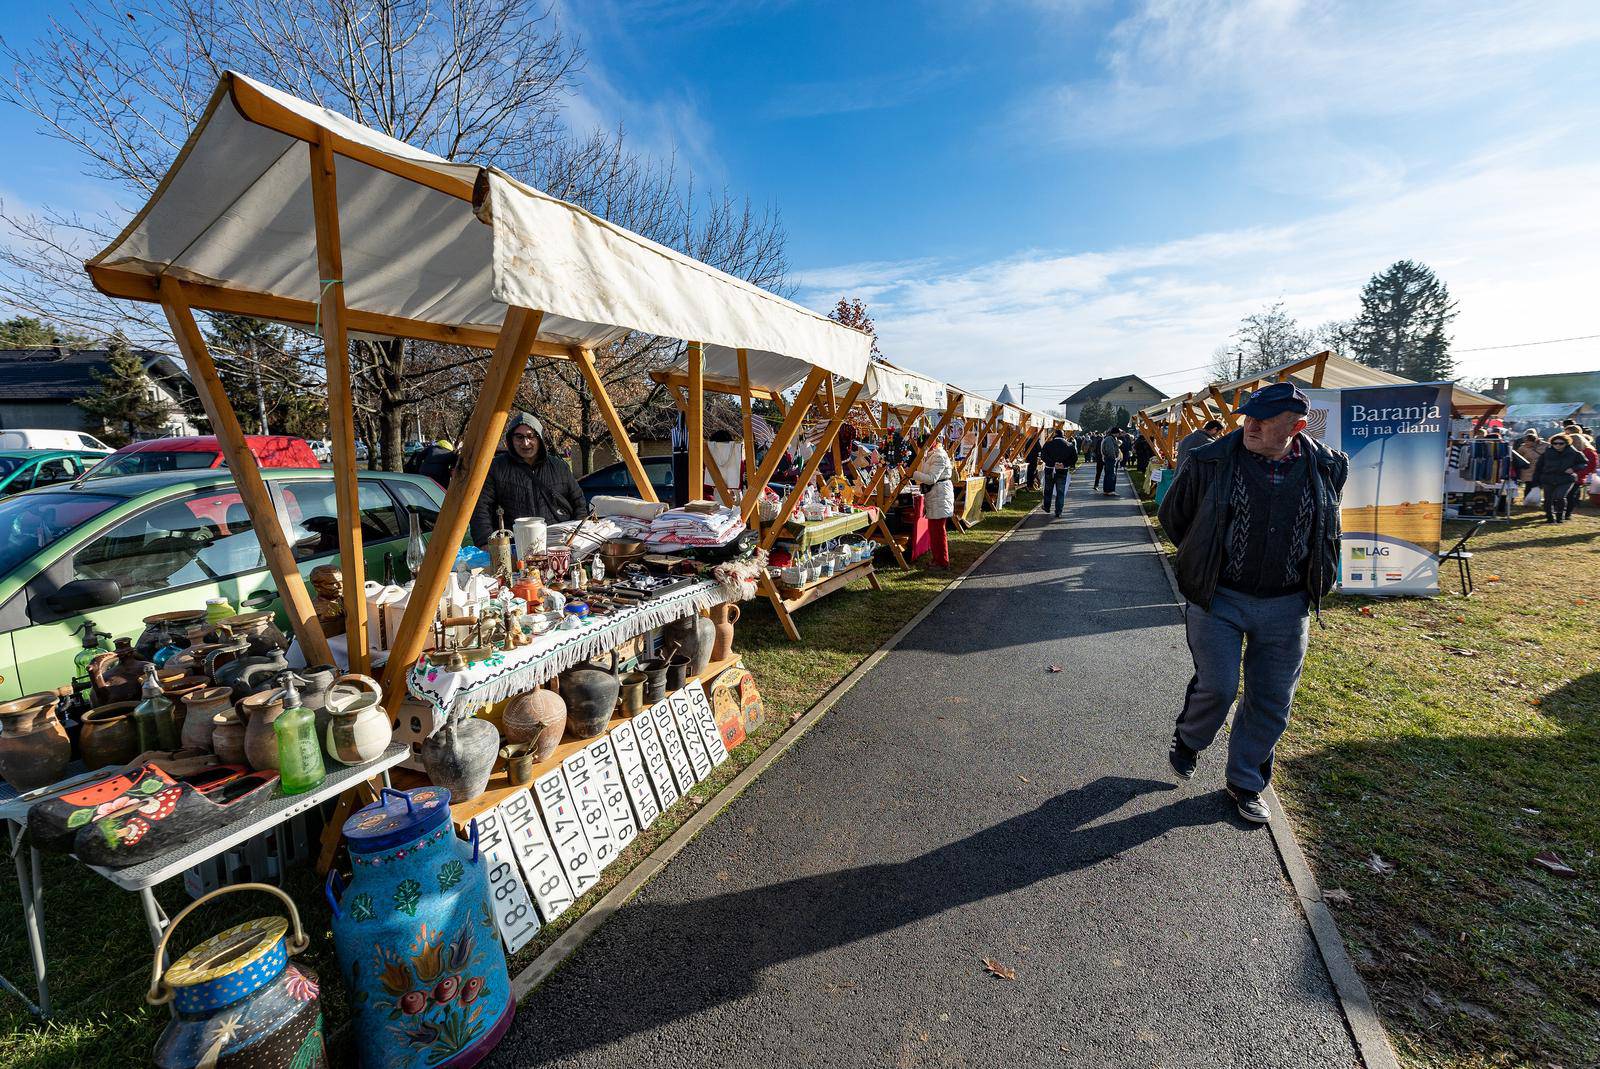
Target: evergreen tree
1098 416
1405 310
125 401
27 332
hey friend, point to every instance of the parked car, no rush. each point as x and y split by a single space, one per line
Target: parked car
48 439
25 469
113 551
614 479
203 451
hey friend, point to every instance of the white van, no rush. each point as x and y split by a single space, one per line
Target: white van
31 439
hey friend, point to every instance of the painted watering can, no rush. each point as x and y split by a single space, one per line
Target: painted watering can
417 943
238 999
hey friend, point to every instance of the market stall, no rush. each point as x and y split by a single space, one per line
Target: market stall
280 209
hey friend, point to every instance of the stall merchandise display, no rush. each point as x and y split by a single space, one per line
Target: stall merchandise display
299 749
108 735
460 755
590 692
358 728
189 807
537 718
417 944
238 998
34 747
692 637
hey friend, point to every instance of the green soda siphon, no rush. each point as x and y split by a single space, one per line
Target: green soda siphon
300 766
155 715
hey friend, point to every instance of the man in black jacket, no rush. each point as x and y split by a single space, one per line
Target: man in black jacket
526 480
1255 516
1059 456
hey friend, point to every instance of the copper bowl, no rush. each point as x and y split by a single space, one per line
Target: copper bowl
620 551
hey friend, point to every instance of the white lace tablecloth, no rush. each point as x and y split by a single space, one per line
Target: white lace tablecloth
520 670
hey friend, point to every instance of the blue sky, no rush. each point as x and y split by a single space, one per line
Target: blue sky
1057 189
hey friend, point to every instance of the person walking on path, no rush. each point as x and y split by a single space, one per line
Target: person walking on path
526 480
1110 451
1059 457
1583 442
1205 435
1525 455
1556 474
939 499
1034 452
1255 516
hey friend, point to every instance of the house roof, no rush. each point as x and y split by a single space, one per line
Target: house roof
1101 387
61 374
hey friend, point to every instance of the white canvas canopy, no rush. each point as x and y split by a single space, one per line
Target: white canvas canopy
974 406
904 389
431 248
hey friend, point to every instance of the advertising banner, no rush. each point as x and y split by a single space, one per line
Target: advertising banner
1396 437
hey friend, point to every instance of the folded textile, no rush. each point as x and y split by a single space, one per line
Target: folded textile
626 507
682 527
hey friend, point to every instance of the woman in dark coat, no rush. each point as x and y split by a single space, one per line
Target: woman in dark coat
1555 473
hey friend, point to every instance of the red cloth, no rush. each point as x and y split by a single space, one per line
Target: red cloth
914 521
941 545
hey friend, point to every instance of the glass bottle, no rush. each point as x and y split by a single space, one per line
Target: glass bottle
154 717
94 644
300 766
415 549
388 569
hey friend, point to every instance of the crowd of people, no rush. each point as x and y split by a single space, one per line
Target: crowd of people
1557 469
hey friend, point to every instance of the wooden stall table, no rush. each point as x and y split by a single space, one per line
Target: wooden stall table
786 601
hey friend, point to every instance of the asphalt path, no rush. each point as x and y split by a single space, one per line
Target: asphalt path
961 803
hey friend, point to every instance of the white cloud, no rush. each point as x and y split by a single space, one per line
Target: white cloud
1185 71
813 99
1514 243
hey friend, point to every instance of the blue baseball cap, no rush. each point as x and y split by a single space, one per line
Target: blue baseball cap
1271 400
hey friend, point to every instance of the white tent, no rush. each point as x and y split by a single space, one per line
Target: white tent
430 248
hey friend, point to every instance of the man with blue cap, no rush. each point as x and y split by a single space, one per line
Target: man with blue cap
1255 516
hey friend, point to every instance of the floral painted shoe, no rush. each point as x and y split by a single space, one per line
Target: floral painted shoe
173 815
54 822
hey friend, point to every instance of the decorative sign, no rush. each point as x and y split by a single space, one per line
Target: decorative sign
683 716
566 831
540 867
705 722
608 774
580 772
630 756
672 743
514 915
655 759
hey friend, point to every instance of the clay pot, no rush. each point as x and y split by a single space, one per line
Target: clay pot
34 747
258 629
109 736
591 696
692 637
178 687
359 729
200 710
227 737
460 756
116 677
538 718
260 741
314 693
165 627
723 617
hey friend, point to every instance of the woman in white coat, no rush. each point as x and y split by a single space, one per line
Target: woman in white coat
939 499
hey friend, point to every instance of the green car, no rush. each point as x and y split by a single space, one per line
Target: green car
113 551
28 469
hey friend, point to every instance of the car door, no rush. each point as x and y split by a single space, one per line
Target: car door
171 555
311 521
55 470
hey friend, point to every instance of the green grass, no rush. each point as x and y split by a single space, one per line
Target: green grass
98 949
1455 739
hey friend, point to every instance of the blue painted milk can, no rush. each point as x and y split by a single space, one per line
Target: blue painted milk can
237 998
417 943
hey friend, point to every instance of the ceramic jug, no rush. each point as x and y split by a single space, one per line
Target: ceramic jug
693 637
200 709
591 696
314 693
258 629
34 747
358 730
237 998
117 677
460 756
109 736
422 961
538 718
257 672
260 741
227 737
723 617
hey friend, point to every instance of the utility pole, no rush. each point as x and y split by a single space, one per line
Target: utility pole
1024 399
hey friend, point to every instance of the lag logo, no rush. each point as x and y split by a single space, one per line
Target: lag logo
1366 552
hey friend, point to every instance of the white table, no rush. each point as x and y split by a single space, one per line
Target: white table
145 877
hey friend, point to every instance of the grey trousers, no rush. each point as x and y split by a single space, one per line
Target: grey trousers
1271 633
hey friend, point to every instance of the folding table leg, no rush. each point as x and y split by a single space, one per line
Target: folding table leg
770 589
31 889
888 539
155 918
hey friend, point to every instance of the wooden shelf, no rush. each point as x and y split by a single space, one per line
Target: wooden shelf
500 788
823 587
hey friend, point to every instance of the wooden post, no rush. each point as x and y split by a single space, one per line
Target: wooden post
341 406
785 434
713 469
833 412
1228 412
696 422
748 417
922 450
810 470
246 476
1321 366
619 434
488 421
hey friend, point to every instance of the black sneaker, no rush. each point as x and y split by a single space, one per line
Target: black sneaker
1182 756
1250 805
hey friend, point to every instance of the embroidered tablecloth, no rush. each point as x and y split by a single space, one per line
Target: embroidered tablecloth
520 670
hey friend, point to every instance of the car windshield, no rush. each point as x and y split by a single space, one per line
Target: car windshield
29 522
153 460
9 465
